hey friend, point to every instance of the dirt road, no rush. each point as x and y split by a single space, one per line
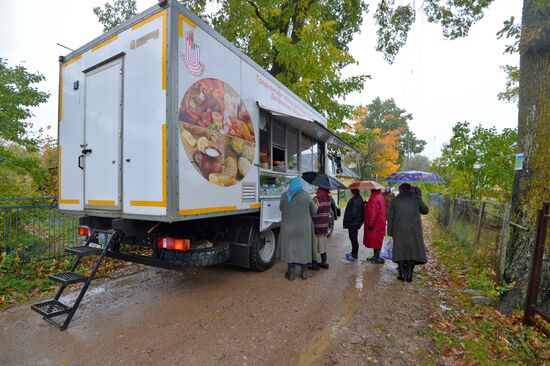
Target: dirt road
352 314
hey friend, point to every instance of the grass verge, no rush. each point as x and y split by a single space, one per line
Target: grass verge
468 334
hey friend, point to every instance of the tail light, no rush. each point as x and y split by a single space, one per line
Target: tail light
84 231
174 243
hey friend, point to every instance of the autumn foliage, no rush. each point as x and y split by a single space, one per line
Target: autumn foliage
383 151
379 148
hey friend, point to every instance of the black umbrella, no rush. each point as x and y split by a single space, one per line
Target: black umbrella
323 180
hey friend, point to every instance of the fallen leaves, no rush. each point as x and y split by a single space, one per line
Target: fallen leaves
467 334
21 281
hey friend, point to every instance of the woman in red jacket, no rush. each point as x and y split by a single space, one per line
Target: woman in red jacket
375 224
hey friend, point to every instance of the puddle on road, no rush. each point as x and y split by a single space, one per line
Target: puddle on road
359 281
91 292
365 277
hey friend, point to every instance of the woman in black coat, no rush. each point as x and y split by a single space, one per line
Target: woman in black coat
353 220
405 226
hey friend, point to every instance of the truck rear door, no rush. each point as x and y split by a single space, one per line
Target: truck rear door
101 151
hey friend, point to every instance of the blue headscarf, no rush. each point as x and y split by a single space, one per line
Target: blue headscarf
294 187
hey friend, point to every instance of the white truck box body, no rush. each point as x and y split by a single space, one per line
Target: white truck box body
119 112
171 112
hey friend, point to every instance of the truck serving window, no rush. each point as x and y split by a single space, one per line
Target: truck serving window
265 141
279 146
309 154
292 149
279 155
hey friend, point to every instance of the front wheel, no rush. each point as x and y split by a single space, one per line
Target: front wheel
262 252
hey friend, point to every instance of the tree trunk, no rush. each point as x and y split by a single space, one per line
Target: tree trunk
531 185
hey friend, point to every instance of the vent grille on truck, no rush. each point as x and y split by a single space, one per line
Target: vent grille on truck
249 192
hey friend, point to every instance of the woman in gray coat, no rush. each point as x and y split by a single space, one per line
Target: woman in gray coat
405 226
295 239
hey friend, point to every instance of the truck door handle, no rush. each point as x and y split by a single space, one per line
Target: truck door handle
86 151
80 161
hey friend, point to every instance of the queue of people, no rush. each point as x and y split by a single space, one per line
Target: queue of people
305 225
404 226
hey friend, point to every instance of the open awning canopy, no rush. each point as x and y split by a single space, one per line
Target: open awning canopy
311 128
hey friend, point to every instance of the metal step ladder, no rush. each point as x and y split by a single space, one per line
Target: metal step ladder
53 308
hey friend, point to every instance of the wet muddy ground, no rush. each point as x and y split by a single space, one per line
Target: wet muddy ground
352 314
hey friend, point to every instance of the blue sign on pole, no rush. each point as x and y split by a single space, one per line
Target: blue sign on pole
518 165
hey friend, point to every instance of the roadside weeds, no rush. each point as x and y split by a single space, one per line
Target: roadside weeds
465 333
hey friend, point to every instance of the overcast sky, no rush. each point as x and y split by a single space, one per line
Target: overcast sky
440 82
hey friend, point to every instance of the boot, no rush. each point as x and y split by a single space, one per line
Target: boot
324 263
377 259
401 271
305 274
410 270
290 274
314 266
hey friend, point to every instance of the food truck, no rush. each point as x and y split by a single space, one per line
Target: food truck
173 140
167 131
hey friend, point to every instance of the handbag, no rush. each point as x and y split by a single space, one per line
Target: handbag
387 248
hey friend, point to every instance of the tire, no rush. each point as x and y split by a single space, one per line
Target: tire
330 224
218 254
262 252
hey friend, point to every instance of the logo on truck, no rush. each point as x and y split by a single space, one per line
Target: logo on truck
217 132
192 55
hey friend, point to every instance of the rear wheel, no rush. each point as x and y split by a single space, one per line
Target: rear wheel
262 252
216 254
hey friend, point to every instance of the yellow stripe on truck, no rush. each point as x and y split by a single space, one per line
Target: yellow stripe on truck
107 41
148 20
164 49
183 19
63 66
164 30
69 202
198 211
102 202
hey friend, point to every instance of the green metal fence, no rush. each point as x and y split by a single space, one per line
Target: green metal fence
34 229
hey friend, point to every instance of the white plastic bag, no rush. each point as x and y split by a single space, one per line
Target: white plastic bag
387 248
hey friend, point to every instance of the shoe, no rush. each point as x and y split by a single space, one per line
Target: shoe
314 266
350 257
378 260
305 274
409 273
401 272
371 259
290 274
324 263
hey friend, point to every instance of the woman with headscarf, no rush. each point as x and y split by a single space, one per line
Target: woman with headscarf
320 223
295 238
405 226
375 224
